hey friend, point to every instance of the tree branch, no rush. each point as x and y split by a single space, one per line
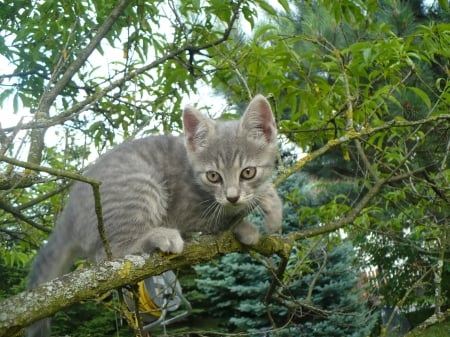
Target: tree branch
23 309
15 180
61 173
50 96
351 135
50 170
171 54
18 215
37 135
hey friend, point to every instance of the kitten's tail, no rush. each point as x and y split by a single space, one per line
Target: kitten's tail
53 260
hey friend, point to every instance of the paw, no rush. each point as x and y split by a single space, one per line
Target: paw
171 242
167 240
273 211
246 233
272 221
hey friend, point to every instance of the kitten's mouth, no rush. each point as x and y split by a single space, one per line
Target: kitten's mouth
234 206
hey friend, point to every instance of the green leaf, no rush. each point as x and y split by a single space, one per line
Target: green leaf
264 30
444 4
285 5
5 94
367 53
422 95
16 103
268 8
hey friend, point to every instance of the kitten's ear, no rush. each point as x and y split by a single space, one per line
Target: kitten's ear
196 128
258 119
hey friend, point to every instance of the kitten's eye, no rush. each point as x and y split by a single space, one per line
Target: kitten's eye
248 172
213 177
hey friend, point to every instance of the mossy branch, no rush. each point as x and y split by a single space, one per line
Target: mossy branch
23 309
354 135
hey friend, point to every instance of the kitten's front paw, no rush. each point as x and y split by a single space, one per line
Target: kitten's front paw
171 244
247 233
167 240
272 221
272 207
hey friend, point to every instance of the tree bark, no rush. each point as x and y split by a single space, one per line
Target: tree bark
37 136
27 307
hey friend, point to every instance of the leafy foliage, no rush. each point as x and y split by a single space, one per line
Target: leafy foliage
361 88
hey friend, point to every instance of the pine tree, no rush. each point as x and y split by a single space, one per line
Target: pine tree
237 285
336 306
381 62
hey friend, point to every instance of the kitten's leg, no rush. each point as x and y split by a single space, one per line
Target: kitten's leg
246 232
270 202
139 227
273 210
167 240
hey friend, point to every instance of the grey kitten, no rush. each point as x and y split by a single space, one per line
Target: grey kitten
156 189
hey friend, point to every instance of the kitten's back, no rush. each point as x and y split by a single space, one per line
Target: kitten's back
156 189
138 179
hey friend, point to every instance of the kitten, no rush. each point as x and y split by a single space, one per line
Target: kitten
156 189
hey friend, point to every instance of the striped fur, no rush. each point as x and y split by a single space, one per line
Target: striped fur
155 190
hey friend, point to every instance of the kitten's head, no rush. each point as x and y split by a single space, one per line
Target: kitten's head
232 160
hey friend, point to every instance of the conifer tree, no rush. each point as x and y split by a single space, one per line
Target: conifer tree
238 286
335 306
355 66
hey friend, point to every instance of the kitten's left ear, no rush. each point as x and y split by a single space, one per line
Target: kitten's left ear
258 119
196 128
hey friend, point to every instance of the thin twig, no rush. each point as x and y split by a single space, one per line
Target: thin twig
83 105
61 173
402 300
352 135
366 161
18 215
316 276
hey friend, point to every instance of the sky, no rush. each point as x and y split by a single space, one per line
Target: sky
205 96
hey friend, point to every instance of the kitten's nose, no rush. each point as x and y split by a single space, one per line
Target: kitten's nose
232 194
233 199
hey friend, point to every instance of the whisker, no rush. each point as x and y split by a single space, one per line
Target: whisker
212 213
209 209
216 214
206 201
254 206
